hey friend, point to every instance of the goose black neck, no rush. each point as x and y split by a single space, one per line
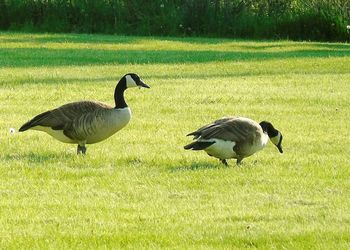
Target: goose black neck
119 94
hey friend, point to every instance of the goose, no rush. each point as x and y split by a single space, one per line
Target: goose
234 137
87 122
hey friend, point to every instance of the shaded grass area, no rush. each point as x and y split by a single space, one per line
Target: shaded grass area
55 57
61 50
140 189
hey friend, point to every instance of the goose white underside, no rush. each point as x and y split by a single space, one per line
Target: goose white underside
221 149
57 134
224 149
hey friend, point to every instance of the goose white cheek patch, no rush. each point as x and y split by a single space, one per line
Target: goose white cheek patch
130 83
275 140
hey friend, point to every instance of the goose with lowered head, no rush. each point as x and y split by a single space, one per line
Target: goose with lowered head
234 137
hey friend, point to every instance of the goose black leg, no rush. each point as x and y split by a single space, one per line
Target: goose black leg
239 160
81 149
224 162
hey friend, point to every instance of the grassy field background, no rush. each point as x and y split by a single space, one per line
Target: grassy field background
140 188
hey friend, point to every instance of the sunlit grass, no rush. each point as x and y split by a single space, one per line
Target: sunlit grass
140 188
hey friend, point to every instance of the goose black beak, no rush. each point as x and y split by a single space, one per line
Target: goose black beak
143 85
280 148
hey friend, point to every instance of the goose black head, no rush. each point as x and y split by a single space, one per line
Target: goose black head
133 80
274 135
127 81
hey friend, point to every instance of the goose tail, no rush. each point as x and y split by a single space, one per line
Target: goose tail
25 127
34 122
199 145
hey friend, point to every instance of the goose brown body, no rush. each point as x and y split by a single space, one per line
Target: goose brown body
81 122
231 137
87 122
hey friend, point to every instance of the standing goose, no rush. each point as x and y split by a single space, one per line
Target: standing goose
87 122
234 137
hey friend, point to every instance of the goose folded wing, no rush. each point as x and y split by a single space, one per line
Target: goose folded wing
82 117
72 118
230 130
207 127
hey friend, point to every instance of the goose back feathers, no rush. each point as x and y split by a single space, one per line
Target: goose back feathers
84 121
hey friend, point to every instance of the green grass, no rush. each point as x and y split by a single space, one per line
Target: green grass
140 188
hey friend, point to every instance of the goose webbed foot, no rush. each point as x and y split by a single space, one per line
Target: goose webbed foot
224 162
81 150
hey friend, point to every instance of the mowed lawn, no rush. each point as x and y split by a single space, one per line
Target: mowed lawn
140 188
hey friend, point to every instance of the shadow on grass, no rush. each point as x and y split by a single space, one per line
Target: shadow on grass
197 166
332 46
37 158
318 46
34 57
